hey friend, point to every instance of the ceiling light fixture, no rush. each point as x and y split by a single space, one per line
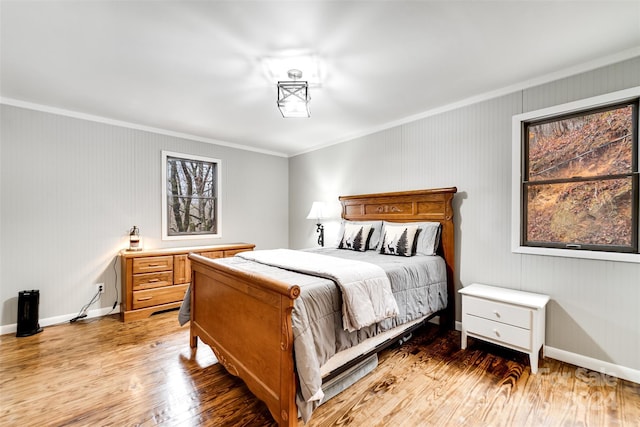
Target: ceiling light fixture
276 67
293 96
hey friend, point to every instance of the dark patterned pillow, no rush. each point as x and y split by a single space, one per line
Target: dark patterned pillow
355 237
376 230
427 236
398 240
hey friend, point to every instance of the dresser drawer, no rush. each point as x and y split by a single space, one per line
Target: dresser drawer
156 280
212 254
497 331
151 297
233 252
151 264
152 280
500 312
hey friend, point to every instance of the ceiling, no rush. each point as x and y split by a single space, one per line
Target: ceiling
195 67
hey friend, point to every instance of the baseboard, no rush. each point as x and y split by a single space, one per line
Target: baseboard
581 361
601 366
12 328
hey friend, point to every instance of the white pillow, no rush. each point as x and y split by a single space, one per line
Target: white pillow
376 232
428 239
398 239
355 237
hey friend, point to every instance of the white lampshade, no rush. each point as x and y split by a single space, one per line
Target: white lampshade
317 211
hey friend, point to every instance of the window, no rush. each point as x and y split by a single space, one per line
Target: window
190 197
577 178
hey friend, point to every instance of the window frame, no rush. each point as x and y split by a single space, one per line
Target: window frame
558 112
218 192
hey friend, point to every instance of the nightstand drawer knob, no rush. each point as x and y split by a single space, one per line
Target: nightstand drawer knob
497 332
496 312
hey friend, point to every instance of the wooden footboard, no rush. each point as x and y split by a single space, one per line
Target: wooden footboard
246 320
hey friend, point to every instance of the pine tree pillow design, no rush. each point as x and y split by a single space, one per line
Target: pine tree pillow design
355 237
398 240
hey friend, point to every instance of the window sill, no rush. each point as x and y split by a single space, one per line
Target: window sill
569 253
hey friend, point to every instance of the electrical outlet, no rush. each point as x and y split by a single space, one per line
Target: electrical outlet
100 287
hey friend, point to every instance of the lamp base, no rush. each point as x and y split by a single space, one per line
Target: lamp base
320 229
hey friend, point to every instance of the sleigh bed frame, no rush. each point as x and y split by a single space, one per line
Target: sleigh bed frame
246 318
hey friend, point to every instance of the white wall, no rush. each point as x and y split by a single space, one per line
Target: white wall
594 310
71 189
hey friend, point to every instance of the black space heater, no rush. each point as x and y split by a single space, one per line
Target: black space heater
28 324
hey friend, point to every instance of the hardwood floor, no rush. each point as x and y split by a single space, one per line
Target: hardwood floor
102 372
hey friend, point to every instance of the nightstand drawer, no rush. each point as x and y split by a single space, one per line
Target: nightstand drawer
152 280
499 312
151 297
151 264
496 331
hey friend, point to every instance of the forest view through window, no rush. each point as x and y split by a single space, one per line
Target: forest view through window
580 180
191 196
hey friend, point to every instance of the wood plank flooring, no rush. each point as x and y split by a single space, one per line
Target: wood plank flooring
102 372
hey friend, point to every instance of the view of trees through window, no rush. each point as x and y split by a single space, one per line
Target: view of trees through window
191 196
579 180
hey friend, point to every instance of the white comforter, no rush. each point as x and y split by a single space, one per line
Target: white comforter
366 290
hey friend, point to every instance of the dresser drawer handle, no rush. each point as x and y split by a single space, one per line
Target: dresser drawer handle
153 265
497 332
497 313
153 280
145 299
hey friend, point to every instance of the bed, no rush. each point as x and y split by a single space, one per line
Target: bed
245 311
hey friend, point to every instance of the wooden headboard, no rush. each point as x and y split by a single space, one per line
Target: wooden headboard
405 206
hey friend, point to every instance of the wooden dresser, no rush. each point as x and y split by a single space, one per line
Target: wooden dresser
156 280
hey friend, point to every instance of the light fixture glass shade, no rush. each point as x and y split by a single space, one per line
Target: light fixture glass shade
318 211
293 99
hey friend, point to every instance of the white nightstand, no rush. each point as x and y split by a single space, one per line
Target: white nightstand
507 317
